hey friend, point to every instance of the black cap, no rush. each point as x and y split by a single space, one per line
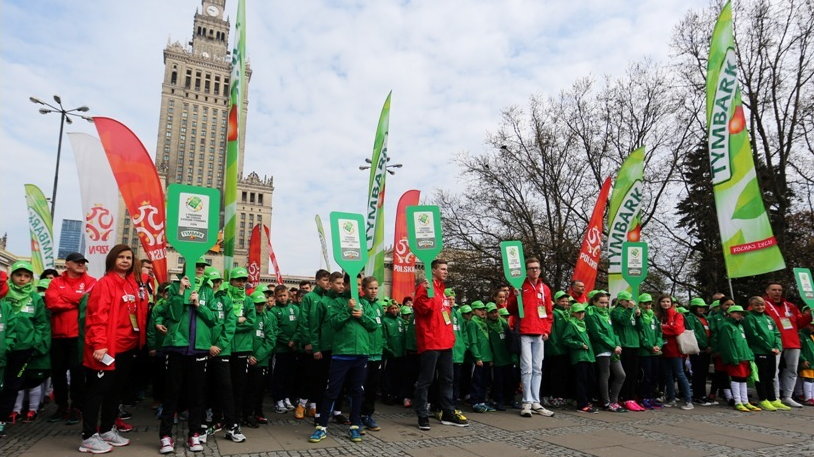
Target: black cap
75 257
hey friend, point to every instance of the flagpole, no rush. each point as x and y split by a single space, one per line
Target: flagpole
731 291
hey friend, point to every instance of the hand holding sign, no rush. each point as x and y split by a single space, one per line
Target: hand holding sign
514 268
350 245
424 237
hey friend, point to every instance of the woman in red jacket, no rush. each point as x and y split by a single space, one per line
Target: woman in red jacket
672 365
115 329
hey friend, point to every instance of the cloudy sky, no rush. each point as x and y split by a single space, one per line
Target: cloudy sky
321 71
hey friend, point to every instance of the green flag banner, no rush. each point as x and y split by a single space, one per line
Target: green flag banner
424 237
624 216
321 231
192 221
749 245
41 227
349 246
514 268
236 123
634 265
374 230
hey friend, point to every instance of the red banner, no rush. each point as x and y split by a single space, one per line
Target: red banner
254 257
403 259
591 251
140 188
273 258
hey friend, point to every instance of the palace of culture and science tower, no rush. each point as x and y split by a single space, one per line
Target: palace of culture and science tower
191 146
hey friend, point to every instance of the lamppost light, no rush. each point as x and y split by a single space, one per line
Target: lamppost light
57 99
36 100
83 109
364 167
45 110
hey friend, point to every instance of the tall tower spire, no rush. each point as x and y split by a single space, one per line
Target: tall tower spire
210 30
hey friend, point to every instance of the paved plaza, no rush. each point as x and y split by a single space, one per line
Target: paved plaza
710 431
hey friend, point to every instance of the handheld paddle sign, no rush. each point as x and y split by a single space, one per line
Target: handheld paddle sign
192 222
424 237
514 268
350 246
634 265
805 285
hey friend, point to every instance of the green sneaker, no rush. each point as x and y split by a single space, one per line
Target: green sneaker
767 406
778 405
319 434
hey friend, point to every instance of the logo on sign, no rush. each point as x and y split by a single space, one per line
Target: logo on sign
634 261
194 203
98 223
349 243
513 260
424 229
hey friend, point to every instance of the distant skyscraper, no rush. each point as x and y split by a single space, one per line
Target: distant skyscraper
70 238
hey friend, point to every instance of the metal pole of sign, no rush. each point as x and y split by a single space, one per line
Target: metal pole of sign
731 291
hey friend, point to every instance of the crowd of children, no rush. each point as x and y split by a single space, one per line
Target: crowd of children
212 350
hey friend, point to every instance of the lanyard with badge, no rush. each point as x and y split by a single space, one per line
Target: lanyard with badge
130 301
445 311
542 313
785 322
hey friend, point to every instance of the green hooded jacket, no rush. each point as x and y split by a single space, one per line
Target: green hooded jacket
600 330
155 339
8 332
649 334
377 335
393 330
498 342
806 348
693 323
459 327
626 326
479 340
575 336
244 331
288 318
177 319
732 344
265 337
223 332
31 327
312 318
762 333
410 344
352 335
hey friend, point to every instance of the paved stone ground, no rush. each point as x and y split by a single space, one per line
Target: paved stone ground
711 431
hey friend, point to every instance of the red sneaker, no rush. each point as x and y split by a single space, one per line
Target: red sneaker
262 420
29 417
122 426
13 417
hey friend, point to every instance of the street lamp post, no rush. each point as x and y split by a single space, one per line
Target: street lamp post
388 166
65 116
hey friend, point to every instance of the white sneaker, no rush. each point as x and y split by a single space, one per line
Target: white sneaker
95 445
167 445
113 438
526 411
202 437
235 435
539 409
288 404
194 443
687 406
790 402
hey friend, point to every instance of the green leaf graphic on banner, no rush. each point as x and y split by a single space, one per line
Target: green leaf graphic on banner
750 204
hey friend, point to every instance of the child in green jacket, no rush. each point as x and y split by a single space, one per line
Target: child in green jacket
263 340
556 368
650 343
580 351
736 356
625 319
763 338
607 347
459 349
393 332
410 356
481 352
285 355
501 357
807 362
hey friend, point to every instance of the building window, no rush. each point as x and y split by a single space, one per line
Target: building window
260 198
243 215
251 197
174 78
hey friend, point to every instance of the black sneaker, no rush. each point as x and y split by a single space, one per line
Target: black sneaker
454 418
74 416
124 414
58 416
251 422
424 423
341 419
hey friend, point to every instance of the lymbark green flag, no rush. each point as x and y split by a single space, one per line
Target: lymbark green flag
236 89
42 233
624 216
749 245
374 227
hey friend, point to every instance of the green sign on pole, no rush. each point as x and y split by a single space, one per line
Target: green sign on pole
350 245
514 268
805 285
424 237
192 222
634 265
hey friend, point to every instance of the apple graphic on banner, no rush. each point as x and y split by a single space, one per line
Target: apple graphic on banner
232 132
635 234
738 122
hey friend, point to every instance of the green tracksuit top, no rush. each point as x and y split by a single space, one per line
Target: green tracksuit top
352 335
410 344
626 326
575 336
498 342
155 339
393 332
600 330
288 316
458 326
244 331
377 335
554 345
265 337
8 332
732 344
32 329
223 332
692 322
312 316
479 340
806 348
649 335
761 333
178 314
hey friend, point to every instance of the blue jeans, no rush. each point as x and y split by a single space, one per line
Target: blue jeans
531 367
350 370
672 368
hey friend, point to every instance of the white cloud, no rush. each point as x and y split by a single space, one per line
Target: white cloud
321 73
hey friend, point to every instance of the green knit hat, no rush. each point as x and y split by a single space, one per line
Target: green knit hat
491 307
503 312
645 298
466 309
258 297
238 272
477 304
578 308
406 310
698 302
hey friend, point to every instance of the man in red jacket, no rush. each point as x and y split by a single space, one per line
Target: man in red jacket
434 340
534 327
789 320
62 300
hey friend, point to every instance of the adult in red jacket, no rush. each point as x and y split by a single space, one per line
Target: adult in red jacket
534 327
789 320
577 291
115 329
62 300
434 340
672 362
